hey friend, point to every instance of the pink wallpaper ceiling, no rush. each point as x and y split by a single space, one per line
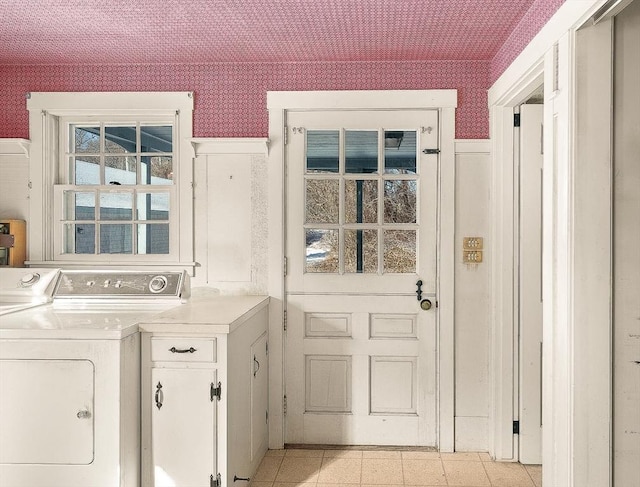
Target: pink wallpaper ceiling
207 31
231 52
530 24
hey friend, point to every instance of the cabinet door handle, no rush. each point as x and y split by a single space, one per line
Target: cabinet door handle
256 366
159 395
182 350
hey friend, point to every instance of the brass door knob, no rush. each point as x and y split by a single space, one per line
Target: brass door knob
425 304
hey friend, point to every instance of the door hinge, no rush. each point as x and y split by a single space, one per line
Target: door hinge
266 417
284 404
215 392
516 427
285 266
284 320
215 481
286 135
516 120
266 348
431 151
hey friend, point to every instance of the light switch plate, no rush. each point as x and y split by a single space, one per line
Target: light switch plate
472 243
472 256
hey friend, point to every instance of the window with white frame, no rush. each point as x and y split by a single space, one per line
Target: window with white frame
116 178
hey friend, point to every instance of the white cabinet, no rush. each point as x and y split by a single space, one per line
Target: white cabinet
204 400
183 407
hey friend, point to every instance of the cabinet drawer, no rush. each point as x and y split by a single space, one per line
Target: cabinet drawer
183 349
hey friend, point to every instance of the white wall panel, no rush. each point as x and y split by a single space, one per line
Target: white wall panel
472 296
14 179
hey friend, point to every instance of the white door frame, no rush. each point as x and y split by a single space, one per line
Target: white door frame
278 102
569 414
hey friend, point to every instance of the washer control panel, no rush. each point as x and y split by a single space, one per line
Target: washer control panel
126 284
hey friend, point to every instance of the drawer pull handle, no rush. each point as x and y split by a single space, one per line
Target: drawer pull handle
182 350
159 395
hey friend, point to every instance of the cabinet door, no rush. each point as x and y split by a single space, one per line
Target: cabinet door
183 427
46 411
259 398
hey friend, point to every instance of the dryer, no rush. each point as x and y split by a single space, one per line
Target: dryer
70 379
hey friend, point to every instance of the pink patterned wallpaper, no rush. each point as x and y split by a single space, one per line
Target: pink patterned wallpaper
530 24
230 98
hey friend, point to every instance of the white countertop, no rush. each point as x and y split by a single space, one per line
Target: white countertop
206 315
200 315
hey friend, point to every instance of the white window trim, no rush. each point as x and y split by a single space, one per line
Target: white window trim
278 103
45 112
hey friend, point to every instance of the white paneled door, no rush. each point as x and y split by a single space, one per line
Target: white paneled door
360 361
530 411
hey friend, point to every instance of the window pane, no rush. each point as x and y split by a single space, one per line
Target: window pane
153 239
361 151
120 170
152 206
120 139
322 200
86 169
79 238
156 170
322 250
361 201
85 139
156 138
400 152
399 251
400 201
323 151
361 251
79 206
115 239
116 206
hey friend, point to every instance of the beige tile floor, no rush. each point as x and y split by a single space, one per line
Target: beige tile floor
350 468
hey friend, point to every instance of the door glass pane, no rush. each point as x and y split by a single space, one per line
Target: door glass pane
120 139
361 251
322 200
116 206
361 151
400 152
156 170
85 140
361 201
153 239
399 251
152 206
86 169
322 250
79 206
120 170
79 238
400 201
323 151
156 138
116 239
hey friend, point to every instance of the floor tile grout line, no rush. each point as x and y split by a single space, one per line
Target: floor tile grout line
486 473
